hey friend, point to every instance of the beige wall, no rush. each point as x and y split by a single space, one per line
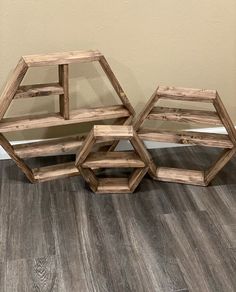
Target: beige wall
187 43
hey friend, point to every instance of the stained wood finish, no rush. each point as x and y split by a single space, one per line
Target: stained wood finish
61 58
86 161
187 94
64 98
218 117
55 119
187 137
59 236
27 91
12 85
185 115
122 113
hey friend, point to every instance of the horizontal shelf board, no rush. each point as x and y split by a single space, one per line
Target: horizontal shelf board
55 119
113 160
185 115
57 146
168 174
62 58
39 90
113 131
186 137
112 185
186 94
55 171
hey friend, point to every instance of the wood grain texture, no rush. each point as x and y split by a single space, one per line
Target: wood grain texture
59 236
113 132
186 94
185 115
55 119
64 104
61 58
186 137
12 85
27 91
116 85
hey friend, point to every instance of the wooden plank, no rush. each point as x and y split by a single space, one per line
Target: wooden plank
113 131
57 171
57 146
185 115
62 58
116 85
136 177
55 119
146 110
185 176
186 94
113 160
225 118
89 177
19 162
63 71
186 137
224 158
85 149
113 185
11 87
38 90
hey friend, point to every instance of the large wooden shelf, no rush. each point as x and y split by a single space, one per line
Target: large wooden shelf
55 119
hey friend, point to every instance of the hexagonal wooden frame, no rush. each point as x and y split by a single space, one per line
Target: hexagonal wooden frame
124 113
86 161
218 117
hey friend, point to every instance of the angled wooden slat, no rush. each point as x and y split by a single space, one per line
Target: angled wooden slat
185 115
136 177
186 137
86 148
116 85
224 158
62 58
39 90
146 110
225 118
113 160
57 146
113 185
113 131
186 94
55 119
57 171
186 176
90 178
11 87
19 162
63 71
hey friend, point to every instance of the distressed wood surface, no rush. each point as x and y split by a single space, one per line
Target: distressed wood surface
59 236
12 85
186 94
64 104
114 132
186 137
185 115
27 91
61 58
55 119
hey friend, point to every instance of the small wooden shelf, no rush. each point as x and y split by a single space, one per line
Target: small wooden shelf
113 160
39 90
185 115
109 185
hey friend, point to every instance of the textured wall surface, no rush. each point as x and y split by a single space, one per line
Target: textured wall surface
170 42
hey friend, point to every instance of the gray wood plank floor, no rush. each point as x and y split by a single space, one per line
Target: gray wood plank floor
58 236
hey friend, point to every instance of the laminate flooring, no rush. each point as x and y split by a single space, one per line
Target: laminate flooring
58 236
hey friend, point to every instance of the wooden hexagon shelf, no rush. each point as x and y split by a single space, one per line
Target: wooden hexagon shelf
123 113
218 117
86 160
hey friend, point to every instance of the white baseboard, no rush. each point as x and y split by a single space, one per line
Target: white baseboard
123 145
